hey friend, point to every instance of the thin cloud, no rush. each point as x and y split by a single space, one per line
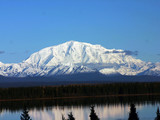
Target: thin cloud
2 52
127 52
114 51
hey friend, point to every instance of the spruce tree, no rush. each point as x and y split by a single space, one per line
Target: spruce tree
63 118
93 115
158 114
25 115
133 115
70 116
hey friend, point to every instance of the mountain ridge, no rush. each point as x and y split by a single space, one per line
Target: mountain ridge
78 57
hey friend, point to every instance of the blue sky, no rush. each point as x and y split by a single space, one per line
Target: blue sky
26 26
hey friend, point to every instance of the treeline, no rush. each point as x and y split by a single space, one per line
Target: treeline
79 90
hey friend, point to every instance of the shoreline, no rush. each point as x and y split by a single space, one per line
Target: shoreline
78 97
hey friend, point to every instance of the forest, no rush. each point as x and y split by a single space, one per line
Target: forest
113 93
80 90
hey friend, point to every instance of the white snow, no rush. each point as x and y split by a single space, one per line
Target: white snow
76 57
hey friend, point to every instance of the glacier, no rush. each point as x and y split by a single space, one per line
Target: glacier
75 57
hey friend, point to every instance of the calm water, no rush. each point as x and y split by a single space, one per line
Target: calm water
116 109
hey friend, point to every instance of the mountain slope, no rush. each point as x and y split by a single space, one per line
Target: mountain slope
78 57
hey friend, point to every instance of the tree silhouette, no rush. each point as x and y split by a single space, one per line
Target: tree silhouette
133 115
25 115
93 115
158 114
63 118
70 116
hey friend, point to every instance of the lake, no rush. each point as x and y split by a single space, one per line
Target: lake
111 108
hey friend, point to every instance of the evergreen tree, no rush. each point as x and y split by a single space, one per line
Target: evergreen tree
133 115
63 118
93 115
25 115
70 116
158 114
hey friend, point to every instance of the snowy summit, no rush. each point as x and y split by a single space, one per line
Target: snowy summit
78 57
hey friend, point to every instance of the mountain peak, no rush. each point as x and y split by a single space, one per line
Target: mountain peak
69 57
79 53
71 52
72 42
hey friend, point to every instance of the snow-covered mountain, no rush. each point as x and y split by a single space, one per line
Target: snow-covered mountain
78 57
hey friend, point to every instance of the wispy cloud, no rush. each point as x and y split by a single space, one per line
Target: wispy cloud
114 51
127 52
2 52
